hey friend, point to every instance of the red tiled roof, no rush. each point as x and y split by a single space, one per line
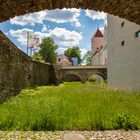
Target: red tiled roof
98 33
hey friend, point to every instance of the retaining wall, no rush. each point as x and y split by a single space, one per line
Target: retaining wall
18 70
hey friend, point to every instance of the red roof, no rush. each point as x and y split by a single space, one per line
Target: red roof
98 33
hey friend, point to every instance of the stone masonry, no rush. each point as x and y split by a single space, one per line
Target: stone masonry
128 9
18 71
82 73
70 135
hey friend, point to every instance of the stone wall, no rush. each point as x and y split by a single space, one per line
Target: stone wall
128 9
40 73
18 71
56 74
83 72
15 67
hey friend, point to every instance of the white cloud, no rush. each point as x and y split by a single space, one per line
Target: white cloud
102 29
61 50
57 16
83 52
31 19
44 29
61 36
95 15
63 16
65 37
77 24
21 35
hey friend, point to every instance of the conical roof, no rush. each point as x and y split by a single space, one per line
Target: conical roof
98 33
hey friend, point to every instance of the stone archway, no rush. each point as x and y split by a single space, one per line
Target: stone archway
97 74
128 9
71 78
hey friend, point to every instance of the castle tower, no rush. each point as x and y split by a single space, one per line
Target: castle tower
97 42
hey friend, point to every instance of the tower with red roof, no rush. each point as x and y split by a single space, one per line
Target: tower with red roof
97 43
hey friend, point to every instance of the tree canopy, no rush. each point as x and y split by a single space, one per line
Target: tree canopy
47 51
37 57
74 52
88 58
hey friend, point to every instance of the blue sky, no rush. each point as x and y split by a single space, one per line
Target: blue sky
68 27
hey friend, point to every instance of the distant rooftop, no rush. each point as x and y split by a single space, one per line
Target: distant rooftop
98 33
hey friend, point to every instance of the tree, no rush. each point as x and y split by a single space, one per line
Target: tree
48 50
73 52
88 58
37 56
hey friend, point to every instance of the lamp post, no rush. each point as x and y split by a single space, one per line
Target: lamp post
27 42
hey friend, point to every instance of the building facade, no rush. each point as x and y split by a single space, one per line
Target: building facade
97 42
63 60
99 51
103 59
123 45
99 47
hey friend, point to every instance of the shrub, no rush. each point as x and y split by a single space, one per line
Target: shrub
126 121
92 79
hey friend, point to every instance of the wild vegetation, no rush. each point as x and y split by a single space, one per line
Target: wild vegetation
73 52
47 51
88 58
71 106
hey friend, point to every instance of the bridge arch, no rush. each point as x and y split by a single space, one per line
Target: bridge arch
83 72
90 73
96 74
102 75
128 9
71 77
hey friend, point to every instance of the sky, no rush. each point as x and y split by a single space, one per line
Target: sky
68 27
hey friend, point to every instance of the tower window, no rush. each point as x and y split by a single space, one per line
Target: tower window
122 24
137 34
122 43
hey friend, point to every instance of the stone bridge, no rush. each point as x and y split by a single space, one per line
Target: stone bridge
128 9
82 73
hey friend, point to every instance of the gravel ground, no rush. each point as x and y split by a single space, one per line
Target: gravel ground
70 135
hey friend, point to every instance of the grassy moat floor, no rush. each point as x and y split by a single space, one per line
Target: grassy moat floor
71 106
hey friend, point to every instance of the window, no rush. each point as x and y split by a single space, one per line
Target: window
137 34
122 24
122 43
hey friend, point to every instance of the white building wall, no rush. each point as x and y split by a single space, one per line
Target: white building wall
123 61
103 58
104 50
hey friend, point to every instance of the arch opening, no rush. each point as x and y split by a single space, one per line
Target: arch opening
10 9
95 78
71 78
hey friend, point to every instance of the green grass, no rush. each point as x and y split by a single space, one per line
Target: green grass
71 106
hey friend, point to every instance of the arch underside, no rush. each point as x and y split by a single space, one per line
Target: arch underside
83 75
128 9
97 73
71 77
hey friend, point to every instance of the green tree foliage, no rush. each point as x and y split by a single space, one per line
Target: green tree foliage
48 50
88 58
37 56
74 52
